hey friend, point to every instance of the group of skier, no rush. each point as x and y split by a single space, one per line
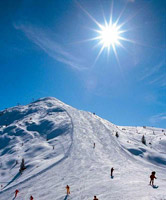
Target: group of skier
22 167
95 198
152 177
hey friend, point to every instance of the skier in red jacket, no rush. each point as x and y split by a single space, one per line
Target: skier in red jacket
95 198
16 192
152 177
31 197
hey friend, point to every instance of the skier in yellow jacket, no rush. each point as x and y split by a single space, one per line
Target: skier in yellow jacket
68 189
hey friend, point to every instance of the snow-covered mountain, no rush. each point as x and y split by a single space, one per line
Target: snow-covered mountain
57 144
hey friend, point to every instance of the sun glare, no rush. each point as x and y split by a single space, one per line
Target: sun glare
109 35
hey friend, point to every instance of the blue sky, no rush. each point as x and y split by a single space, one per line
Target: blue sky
45 52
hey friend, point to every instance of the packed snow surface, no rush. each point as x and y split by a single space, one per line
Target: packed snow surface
57 144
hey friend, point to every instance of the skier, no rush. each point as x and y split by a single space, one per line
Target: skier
112 169
94 145
95 198
117 135
152 177
31 197
68 189
16 192
22 166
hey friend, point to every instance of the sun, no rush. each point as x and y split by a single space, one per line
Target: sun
109 35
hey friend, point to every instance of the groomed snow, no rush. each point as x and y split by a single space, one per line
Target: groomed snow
56 142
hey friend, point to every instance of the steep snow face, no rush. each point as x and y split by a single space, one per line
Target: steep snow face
57 143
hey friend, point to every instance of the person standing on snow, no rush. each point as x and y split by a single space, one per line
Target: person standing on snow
68 189
152 177
95 198
16 192
94 145
22 166
112 169
31 197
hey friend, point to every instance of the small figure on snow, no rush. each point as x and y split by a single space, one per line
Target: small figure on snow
31 197
94 145
16 192
68 189
95 198
112 169
117 135
143 140
152 177
22 166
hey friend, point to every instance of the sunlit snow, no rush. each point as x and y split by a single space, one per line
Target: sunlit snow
57 143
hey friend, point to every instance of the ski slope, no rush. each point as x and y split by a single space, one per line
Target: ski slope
56 141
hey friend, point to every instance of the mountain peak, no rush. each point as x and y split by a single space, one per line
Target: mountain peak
62 145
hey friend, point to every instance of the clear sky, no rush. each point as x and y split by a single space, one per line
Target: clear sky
46 50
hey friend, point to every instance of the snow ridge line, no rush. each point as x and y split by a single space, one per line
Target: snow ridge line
51 166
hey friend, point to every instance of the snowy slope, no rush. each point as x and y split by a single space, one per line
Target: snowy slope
56 142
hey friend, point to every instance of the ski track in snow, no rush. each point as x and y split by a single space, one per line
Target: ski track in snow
84 168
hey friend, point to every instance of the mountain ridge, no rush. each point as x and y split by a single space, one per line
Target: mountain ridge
56 141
